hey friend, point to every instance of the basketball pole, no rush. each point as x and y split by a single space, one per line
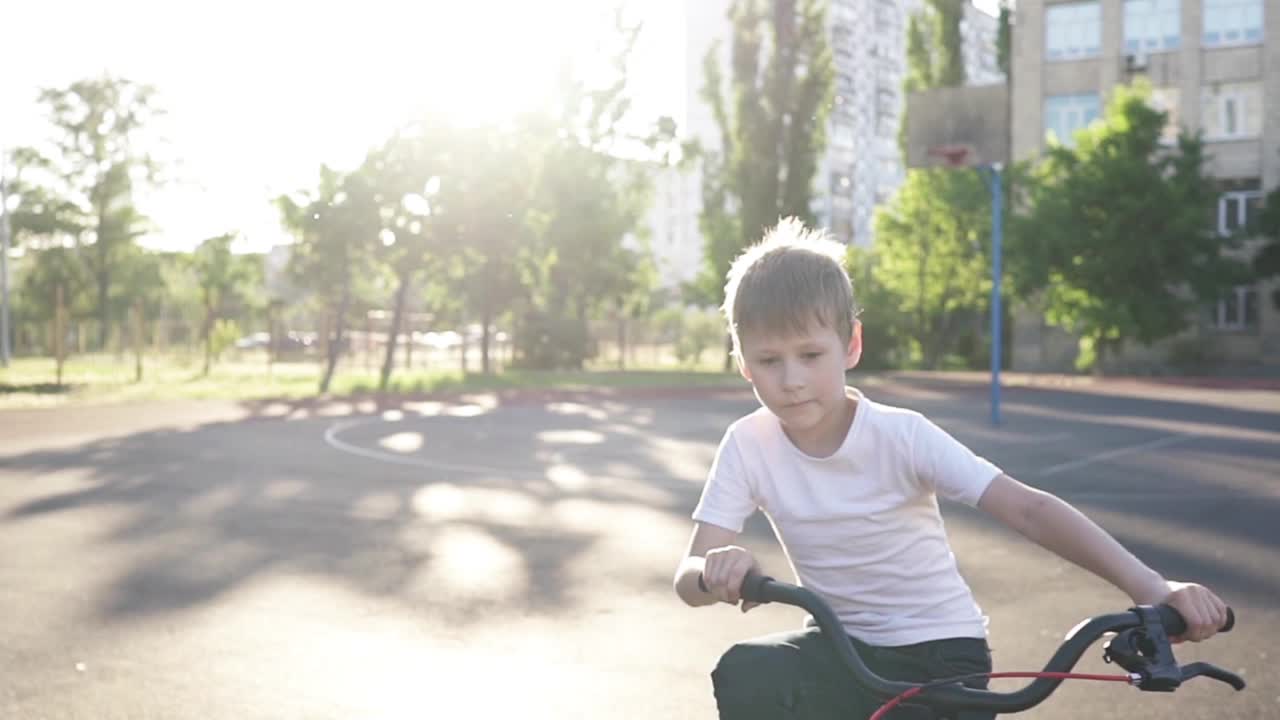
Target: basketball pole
994 182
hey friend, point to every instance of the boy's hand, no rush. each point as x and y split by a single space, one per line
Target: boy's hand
1204 612
724 571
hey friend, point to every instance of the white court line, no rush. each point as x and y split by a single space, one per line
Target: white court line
1161 442
331 438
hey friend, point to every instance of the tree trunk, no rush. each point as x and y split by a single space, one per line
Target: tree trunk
622 338
207 332
137 341
335 347
486 318
397 314
59 333
104 311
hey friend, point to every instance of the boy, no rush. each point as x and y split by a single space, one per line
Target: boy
850 487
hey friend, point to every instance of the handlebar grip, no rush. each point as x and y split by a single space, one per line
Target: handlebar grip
754 587
1175 625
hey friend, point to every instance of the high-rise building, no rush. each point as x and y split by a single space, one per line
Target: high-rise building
1214 65
862 166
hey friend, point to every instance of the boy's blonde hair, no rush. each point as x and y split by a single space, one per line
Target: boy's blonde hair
782 284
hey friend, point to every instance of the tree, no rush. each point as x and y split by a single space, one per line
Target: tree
1004 38
1266 264
772 126
935 53
223 279
85 187
948 55
486 199
336 225
591 191
406 173
1116 231
933 250
933 240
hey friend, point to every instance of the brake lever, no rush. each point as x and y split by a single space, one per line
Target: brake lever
1196 669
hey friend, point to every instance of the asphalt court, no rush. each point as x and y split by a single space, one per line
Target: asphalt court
492 555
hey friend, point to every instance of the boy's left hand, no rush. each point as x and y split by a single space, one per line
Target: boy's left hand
1204 611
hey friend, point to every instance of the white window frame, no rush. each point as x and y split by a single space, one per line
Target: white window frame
1240 321
1247 28
1069 24
1240 199
1240 97
1080 103
1154 17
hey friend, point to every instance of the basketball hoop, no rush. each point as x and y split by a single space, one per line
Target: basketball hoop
953 155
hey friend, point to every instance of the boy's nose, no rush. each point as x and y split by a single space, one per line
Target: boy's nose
792 376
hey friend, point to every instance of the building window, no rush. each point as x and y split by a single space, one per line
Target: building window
1237 311
1065 114
1232 22
1239 206
1072 31
1152 25
1231 111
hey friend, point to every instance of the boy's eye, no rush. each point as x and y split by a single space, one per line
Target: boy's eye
812 355
768 361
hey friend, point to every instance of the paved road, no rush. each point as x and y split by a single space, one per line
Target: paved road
487 557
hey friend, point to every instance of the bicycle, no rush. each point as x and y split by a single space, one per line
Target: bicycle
1140 646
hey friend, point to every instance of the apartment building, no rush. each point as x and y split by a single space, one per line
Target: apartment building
862 166
1215 67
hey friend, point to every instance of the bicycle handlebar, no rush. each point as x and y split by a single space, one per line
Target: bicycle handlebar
1159 621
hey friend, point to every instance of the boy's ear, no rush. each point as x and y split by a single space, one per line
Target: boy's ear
855 346
742 366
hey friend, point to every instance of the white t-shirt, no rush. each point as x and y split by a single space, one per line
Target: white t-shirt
861 528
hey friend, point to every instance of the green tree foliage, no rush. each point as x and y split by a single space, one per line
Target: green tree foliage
933 257
82 187
407 173
948 55
1266 264
1117 232
1004 38
886 340
771 110
589 198
225 281
935 53
485 201
336 226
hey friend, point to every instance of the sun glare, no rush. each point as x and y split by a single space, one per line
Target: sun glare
258 95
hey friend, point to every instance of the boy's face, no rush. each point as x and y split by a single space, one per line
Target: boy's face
800 377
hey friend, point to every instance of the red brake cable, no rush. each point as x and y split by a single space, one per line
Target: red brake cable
884 709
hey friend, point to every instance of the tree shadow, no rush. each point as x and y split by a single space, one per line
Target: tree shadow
512 502
500 510
45 388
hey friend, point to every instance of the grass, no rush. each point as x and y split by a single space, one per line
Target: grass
104 379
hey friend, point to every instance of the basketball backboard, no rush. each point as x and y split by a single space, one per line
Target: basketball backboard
958 126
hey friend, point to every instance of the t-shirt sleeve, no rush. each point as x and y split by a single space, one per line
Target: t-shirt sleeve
726 500
953 470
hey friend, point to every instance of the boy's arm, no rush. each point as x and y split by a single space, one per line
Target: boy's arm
1060 528
725 571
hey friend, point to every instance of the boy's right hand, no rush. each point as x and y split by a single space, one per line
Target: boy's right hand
723 572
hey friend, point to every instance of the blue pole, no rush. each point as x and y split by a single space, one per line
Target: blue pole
997 232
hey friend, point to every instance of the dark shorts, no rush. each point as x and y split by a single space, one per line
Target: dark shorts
798 676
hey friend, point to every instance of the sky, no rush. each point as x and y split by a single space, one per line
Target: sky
258 94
